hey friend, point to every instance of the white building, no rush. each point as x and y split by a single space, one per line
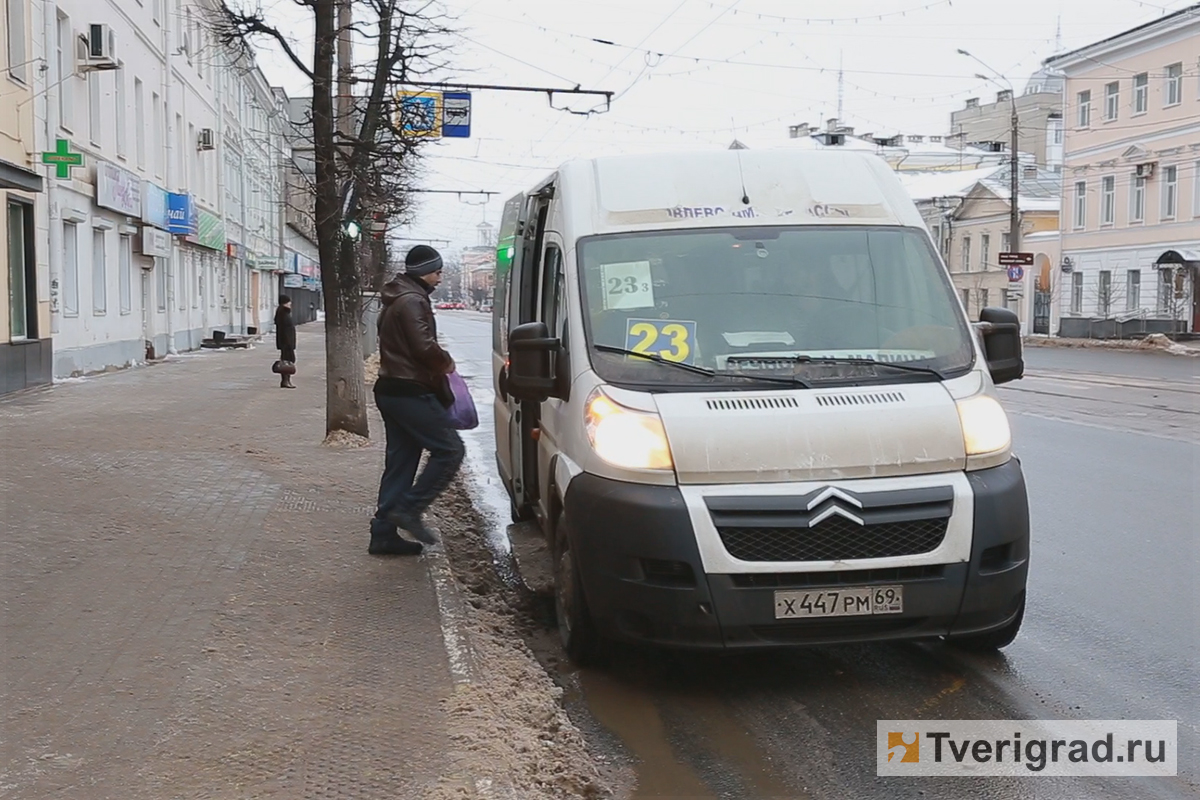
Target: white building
138 235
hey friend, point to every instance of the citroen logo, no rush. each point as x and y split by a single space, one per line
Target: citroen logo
828 501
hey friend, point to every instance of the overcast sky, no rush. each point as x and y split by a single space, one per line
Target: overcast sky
697 74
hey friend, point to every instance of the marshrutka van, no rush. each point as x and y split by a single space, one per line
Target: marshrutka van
741 398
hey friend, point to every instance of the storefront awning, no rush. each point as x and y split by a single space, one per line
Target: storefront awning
15 177
1183 256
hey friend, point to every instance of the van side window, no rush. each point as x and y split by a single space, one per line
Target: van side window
551 270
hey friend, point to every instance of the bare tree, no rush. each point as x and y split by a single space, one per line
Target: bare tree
364 158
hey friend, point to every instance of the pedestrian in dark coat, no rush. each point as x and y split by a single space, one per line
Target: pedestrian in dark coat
285 338
412 394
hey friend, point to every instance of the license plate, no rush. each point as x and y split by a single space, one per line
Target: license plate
851 601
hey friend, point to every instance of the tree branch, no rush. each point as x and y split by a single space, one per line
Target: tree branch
233 29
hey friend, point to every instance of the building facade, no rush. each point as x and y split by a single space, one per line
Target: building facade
139 254
25 345
1039 116
1131 179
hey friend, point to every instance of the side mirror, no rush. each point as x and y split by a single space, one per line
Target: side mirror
530 374
1000 332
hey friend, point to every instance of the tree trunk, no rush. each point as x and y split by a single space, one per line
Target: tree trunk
345 408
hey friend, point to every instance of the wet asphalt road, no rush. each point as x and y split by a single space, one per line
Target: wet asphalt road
1110 444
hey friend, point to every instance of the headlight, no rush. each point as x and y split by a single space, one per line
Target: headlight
984 425
624 437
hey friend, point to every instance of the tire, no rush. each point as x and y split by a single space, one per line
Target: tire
992 640
576 630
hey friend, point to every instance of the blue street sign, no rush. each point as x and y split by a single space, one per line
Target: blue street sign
1016 273
456 115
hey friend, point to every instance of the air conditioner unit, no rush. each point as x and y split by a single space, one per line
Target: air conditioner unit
206 140
101 47
1145 170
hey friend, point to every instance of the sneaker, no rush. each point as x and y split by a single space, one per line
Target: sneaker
392 544
413 524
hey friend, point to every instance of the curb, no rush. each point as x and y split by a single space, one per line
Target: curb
1125 345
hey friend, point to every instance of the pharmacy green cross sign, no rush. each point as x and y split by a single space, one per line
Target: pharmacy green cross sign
63 159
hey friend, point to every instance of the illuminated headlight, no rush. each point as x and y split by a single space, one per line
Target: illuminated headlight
624 437
984 425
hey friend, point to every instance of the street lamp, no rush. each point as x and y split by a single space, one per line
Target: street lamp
1014 235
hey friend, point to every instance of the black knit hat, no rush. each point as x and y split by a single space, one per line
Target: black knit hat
422 260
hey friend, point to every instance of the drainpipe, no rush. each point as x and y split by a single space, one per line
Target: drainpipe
54 212
218 95
171 263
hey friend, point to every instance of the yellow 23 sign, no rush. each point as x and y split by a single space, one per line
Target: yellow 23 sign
671 340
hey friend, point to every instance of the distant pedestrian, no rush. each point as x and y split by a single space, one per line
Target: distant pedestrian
285 338
412 394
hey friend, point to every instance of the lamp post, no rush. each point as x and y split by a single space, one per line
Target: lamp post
1014 224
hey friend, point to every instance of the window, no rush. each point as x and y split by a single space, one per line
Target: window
1196 189
156 143
966 300
122 111
22 273
194 272
822 288
1174 88
1005 243
1104 293
99 274
1108 200
1112 101
985 246
182 258
95 116
937 236
983 298
1080 205
186 33
1137 200
1077 293
18 52
139 122
125 271
966 254
1056 128
1133 289
1085 109
66 73
1170 195
70 290
1141 93
160 282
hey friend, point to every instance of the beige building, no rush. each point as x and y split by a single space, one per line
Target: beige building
1131 180
1039 115
25 354
976 232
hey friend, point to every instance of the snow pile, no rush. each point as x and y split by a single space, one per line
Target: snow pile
1158 341
508 723
345 439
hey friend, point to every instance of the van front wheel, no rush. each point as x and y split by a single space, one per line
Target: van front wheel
575 629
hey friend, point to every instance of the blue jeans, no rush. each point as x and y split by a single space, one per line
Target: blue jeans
414 424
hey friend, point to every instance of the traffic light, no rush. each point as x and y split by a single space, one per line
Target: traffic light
352 229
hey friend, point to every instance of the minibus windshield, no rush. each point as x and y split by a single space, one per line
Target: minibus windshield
816 303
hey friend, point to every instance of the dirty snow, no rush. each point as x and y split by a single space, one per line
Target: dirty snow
345 439
509 721
1154 342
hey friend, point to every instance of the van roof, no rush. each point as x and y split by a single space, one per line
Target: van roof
733 187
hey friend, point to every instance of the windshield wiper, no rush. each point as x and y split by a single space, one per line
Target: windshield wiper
656 358
800 359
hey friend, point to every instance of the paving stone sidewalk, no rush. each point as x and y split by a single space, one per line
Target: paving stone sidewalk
187 606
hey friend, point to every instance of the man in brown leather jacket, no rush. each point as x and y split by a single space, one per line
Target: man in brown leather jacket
412 394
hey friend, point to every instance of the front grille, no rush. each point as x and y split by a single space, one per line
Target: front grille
788 580
834 539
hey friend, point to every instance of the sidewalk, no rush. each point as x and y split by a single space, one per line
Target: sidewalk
188 606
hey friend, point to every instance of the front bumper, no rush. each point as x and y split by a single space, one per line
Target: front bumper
644 581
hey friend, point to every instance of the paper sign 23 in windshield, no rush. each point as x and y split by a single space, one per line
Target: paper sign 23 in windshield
671 340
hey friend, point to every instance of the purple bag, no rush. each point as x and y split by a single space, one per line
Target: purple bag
462 413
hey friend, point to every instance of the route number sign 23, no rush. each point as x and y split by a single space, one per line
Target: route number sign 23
671 340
